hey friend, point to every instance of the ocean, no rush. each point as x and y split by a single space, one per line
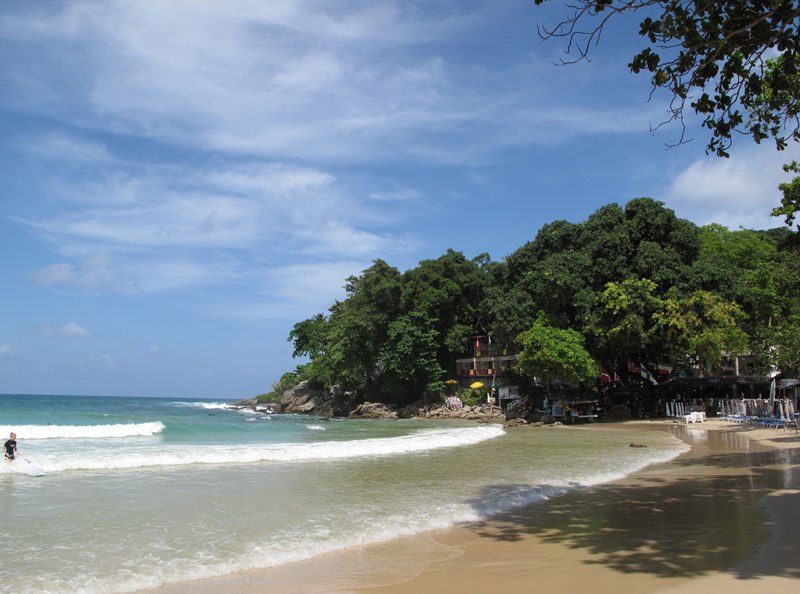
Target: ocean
141 492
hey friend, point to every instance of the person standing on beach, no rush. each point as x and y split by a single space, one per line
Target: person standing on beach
10 447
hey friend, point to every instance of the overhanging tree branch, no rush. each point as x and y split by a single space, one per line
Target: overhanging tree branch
711 55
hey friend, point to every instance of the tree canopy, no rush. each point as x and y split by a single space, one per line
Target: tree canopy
555 353
718 58
631 283
790 198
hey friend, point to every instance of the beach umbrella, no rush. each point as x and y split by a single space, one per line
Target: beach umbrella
771 393
476 385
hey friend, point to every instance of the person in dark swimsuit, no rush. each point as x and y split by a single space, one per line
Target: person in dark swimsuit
10 447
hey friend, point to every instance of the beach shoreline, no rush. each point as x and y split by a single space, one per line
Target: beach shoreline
720 516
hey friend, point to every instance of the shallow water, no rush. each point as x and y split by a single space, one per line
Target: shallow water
141 492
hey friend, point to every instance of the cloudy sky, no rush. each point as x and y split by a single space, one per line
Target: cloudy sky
183 181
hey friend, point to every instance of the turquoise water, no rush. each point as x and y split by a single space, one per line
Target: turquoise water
140 492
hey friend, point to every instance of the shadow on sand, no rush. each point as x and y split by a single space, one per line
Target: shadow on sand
711 518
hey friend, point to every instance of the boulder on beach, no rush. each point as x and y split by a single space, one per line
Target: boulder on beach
373 410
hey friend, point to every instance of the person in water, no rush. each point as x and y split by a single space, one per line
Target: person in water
10 447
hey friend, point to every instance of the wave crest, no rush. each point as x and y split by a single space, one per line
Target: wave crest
289 452
84 431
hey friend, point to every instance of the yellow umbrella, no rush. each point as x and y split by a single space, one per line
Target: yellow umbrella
476 385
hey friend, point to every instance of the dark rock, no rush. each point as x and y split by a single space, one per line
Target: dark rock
304 399
373 410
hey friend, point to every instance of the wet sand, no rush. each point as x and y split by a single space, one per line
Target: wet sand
725 516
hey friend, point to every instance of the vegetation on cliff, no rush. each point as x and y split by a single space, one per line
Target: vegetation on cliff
629 283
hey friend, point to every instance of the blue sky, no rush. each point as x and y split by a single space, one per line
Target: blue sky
185 180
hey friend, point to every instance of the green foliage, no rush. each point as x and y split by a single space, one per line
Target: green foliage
708 57
450 291
555 353
778 347
629 327
703 326
747 267
472 397
790 201
410 352
631 282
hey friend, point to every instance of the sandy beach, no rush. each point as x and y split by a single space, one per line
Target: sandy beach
722 517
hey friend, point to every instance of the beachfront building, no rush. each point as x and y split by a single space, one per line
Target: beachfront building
487 363
483 361
676 380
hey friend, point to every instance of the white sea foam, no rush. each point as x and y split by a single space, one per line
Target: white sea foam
315 427
377 521
83 431
206 405
303 544
176 455
298 547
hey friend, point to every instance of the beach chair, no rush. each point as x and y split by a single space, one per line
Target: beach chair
792 418
695 417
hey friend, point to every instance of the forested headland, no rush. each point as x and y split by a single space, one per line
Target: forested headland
630 283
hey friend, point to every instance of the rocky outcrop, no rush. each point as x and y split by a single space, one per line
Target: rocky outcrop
373 410
481 414
262 407
303 399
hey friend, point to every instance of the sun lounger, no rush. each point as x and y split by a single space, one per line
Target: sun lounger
695 417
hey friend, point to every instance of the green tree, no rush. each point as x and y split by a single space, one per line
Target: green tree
361 322
630 330
709 56
748 267
512 311
345 346
790 201
664 246
309 336
606 242
312 339
783 351
561 286
450 290
555 353
702 326
410 357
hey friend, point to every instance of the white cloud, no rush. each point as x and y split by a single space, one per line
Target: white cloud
398 195
5 349
296 79
73 329
301 93
296 291
94 273
95 360
740 191
69 330
62 147
154 229
103 360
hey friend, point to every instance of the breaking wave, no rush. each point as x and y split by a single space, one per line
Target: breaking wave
180 455
83 431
